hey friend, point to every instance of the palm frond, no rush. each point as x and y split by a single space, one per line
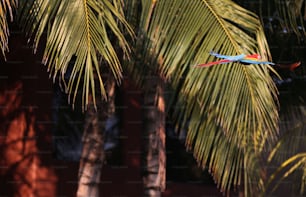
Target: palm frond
295 164
6 10
289 153
229 165
292 129
293 12
80 29
230 104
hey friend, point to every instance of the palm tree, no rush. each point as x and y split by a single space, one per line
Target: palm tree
78 30
230 110
228 127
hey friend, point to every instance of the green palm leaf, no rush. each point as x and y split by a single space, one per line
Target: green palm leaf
230 108
293 13
293 165
6 8
80 29
289 154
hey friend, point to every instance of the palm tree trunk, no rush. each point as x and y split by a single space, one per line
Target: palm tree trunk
154 156
93 155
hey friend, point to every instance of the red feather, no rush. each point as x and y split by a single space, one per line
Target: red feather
214 63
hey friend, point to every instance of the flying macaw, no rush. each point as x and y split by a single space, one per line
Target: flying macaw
246 59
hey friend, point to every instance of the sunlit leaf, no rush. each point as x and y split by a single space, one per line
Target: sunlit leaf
230 109
84 29
6 12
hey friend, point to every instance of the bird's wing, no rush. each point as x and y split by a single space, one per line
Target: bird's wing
255 61
228 57
214 63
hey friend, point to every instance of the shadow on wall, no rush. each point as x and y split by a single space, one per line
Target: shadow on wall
26 164
22 172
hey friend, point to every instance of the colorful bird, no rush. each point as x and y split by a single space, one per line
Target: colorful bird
246 59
